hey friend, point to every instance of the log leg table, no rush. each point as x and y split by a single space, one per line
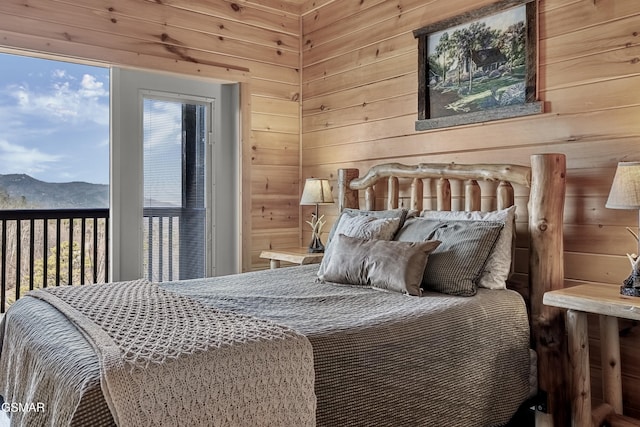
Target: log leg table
299 256
607 302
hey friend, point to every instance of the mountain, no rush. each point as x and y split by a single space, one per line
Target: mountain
51 195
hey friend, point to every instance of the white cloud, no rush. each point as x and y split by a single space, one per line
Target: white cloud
59 74
65 101
91 88
18 159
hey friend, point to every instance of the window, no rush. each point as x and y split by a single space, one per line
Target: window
54 134
54 163
71 136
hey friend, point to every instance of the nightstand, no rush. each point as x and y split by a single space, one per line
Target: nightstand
607 302
299 256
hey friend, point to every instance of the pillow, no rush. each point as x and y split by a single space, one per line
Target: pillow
362 226
455 266
386 265
499 266
350 213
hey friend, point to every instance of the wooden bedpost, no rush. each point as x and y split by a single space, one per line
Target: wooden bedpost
347 198
546 272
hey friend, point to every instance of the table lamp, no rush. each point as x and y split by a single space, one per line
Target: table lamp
316 192
625 194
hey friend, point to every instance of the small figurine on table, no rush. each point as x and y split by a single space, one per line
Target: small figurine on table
316 224
631 285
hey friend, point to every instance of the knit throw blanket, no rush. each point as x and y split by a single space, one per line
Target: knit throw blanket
166 359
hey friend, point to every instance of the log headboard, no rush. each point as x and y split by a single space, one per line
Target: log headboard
545 180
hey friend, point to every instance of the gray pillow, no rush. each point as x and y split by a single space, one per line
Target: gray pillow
350 213
386 265
499 266
455 266
362 226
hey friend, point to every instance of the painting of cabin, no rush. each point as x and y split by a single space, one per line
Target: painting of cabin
478 65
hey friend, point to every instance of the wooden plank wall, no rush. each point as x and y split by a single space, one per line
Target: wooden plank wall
257 43
359 87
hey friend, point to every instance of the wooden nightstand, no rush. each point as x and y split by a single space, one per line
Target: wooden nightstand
607 302
299 256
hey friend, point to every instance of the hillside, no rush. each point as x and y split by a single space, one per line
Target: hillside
45 195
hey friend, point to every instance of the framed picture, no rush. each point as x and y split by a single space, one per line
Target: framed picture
478 66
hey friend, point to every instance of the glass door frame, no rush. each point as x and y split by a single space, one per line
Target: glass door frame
209 168
126 158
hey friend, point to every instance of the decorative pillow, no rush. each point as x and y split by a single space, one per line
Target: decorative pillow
387 265
499 266
455 266
365 227
350 213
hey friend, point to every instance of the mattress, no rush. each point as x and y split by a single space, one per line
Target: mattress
380 359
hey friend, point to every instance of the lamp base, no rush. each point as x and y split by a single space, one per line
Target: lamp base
629 291
316 246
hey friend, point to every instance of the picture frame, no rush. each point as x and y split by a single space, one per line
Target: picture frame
478 66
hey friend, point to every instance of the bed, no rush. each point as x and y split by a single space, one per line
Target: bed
298 346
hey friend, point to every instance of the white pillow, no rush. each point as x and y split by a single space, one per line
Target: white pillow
498 267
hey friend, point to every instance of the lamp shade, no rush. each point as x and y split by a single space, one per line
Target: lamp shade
316 192
625 190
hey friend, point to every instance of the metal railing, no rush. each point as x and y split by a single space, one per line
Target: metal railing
174 243
161 229
51 247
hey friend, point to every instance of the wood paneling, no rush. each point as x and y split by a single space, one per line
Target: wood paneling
271 148
609 36
358 77
360 97
359 88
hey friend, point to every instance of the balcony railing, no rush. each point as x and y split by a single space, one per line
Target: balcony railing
161 232
52 247
174 239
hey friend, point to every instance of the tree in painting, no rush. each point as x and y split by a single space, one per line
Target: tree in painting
479 65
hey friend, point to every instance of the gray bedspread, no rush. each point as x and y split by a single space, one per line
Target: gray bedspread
381 359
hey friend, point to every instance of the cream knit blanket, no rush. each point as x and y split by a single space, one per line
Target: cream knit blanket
167 359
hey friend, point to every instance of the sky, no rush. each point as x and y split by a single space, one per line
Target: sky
54 120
